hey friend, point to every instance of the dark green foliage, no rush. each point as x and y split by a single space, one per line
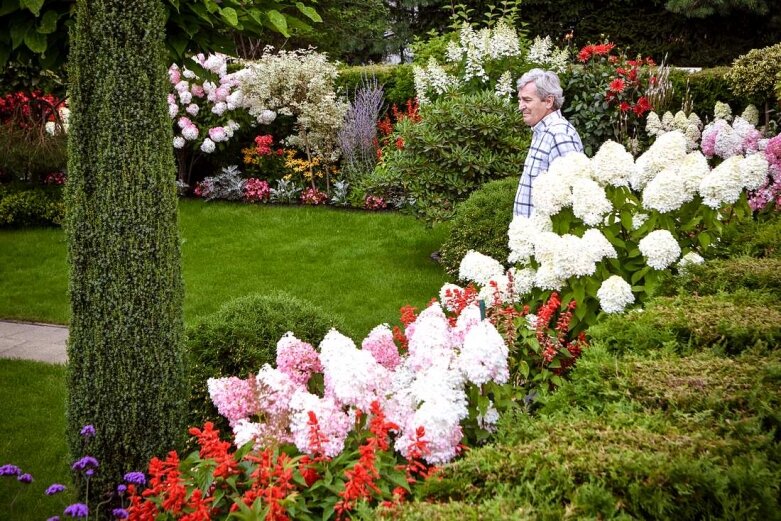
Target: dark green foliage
732 322
396 80
241 336
672 438
646 27
126 369
22 205
30 153
760 237
705 88
462 142
480 223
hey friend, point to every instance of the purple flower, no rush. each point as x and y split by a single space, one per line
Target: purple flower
54 488
25 478
77 510
10 470
85 463
89 473
87 431
54 518
137 478
121 489
119 513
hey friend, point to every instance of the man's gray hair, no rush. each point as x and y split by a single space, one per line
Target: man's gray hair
547 84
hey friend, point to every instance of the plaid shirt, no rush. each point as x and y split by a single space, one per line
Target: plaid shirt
552 137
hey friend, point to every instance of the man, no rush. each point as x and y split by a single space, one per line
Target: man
540 98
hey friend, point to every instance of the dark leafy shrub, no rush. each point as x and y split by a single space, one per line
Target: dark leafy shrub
461 142
730 322
480 223
753 75
704 88
241 336
26 206
753 238
671 438
30 153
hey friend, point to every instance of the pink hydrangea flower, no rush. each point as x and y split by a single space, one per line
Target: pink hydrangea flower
297 359
380 344
234 397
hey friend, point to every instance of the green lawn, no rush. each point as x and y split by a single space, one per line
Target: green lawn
361 266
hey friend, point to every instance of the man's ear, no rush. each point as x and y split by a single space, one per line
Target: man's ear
549 102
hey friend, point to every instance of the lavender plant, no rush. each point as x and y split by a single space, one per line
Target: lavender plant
358 136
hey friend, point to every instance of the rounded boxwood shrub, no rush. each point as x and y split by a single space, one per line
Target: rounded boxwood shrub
461 142
31 207
480 223
241 336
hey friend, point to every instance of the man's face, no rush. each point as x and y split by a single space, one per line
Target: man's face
531 106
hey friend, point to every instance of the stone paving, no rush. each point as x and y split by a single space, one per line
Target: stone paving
41 342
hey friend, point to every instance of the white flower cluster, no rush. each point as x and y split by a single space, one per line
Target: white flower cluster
479 268
665 152
432 79
690 259
751 115
722 111
61 126
504 86
544 53
660 249
615 294
690 126
299 83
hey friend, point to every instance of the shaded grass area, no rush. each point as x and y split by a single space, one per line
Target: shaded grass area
32 408
671 438
361 266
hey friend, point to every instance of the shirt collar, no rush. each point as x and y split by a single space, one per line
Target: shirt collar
547 121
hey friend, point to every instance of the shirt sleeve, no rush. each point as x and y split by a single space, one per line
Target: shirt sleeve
562 144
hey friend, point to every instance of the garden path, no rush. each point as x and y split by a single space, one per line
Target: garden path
41 342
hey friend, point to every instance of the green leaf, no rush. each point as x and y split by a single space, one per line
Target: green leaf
18 32
34 6
279 21
35 41
704 239
229 15
48 22
523 368
309 12
8 6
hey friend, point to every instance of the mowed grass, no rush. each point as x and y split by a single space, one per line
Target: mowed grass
32 408
358 265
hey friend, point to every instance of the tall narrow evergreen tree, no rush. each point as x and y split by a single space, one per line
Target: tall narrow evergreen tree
125 364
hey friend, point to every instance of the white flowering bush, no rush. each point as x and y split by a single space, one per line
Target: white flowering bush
480 60
300 84
604 228
206 108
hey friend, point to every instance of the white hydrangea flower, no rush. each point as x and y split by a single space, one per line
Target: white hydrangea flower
173 110
178 142
751 115
667 121
207 146
547 279
653 125
540 50
666 151
185 97
219 108
523 280
667 191
521 234
612 164
690 259
479 268
504 86
570 258
722 111
680 121
723 184
597 246
498 287
638 220
575 165
483 356
545 246
190 133
728 142
589 201
614 295
753 171
660 249
192 109
695 120
550 193
182 86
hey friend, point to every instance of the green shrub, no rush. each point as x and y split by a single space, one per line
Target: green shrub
672 438
732 322
753 75
31 207
480 223
241 336
397 81
728 275
752 238
462 142
30 154
704 88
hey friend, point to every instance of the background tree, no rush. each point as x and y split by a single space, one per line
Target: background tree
125 372
703 8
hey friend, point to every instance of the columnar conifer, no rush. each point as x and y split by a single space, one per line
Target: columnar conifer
125 364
